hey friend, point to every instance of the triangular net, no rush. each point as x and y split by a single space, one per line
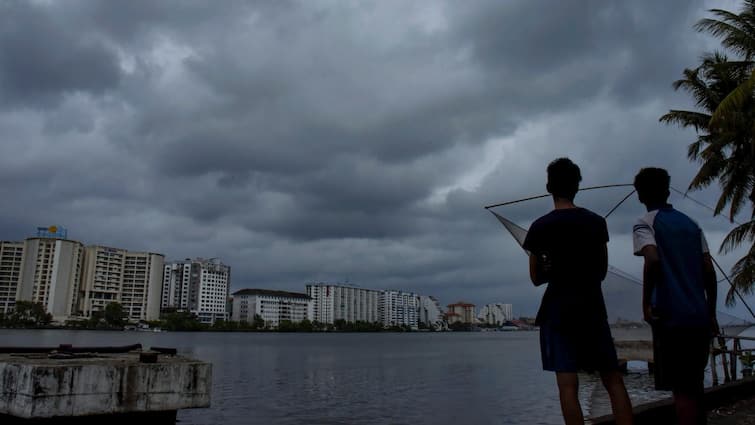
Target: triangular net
623 291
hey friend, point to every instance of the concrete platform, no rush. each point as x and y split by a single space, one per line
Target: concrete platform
635 350
35 386
662 411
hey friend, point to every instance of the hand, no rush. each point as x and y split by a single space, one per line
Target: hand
647 313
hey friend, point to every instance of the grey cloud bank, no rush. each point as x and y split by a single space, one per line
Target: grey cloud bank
304 141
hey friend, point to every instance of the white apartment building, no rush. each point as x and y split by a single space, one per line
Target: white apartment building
397 308
339 302
142 284
429 312
50 275
11 258
132 279
496 314
102 278
199 286
272 306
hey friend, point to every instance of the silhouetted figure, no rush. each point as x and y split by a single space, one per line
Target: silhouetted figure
568 251
678 296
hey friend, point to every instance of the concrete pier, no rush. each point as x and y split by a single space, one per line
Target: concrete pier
52 388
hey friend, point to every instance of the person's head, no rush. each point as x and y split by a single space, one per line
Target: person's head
563 179
652 185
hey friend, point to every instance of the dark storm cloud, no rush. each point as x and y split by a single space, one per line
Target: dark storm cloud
304 141
42 58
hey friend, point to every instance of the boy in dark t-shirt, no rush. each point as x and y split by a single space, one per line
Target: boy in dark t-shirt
568 251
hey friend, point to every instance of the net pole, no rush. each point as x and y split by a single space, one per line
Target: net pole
733 288
619 204
605 186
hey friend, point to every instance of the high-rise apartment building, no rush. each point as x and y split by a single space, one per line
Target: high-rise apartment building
460 312
102 278
496 314
142 285
11 258
397 308
199 286
272 306
340 302
429 312
72 281
51 274
132 279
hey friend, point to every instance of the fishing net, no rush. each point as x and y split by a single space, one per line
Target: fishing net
622 291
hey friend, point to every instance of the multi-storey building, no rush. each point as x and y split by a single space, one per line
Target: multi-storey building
142 284
177 283
397 308
272 306
114 275
51 274
199 286
72 281
460 312
430 312
102 278
339 302
496 314
11 257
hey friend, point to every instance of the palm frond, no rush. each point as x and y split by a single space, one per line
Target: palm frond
733 102
741 233
697 120
734 30
743 274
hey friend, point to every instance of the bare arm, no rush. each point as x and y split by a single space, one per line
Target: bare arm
537 274
651 275
711 290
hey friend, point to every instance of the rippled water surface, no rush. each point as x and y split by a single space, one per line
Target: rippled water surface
383 378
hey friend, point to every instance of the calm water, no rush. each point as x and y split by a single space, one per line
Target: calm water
386 378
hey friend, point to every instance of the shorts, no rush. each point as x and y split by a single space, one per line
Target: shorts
680 356
586 349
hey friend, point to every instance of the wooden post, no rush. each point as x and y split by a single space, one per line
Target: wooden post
724 361
733 359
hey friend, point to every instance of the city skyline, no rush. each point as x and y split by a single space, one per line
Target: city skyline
74 280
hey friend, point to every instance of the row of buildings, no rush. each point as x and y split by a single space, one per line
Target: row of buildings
327 303
73 281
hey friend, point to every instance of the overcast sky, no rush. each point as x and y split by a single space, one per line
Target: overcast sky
338 141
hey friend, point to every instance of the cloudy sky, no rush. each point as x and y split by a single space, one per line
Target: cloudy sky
335 140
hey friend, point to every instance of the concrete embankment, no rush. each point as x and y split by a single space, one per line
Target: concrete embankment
43 388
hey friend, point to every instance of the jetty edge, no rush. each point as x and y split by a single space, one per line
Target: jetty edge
662 411
83 385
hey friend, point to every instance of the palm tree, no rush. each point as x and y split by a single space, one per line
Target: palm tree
735 113
725 145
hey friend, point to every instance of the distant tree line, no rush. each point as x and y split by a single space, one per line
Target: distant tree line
28 314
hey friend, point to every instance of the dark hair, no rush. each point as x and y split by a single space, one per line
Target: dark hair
652 185
563 178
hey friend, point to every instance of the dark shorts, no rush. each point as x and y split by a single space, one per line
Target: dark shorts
680 357
587 349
